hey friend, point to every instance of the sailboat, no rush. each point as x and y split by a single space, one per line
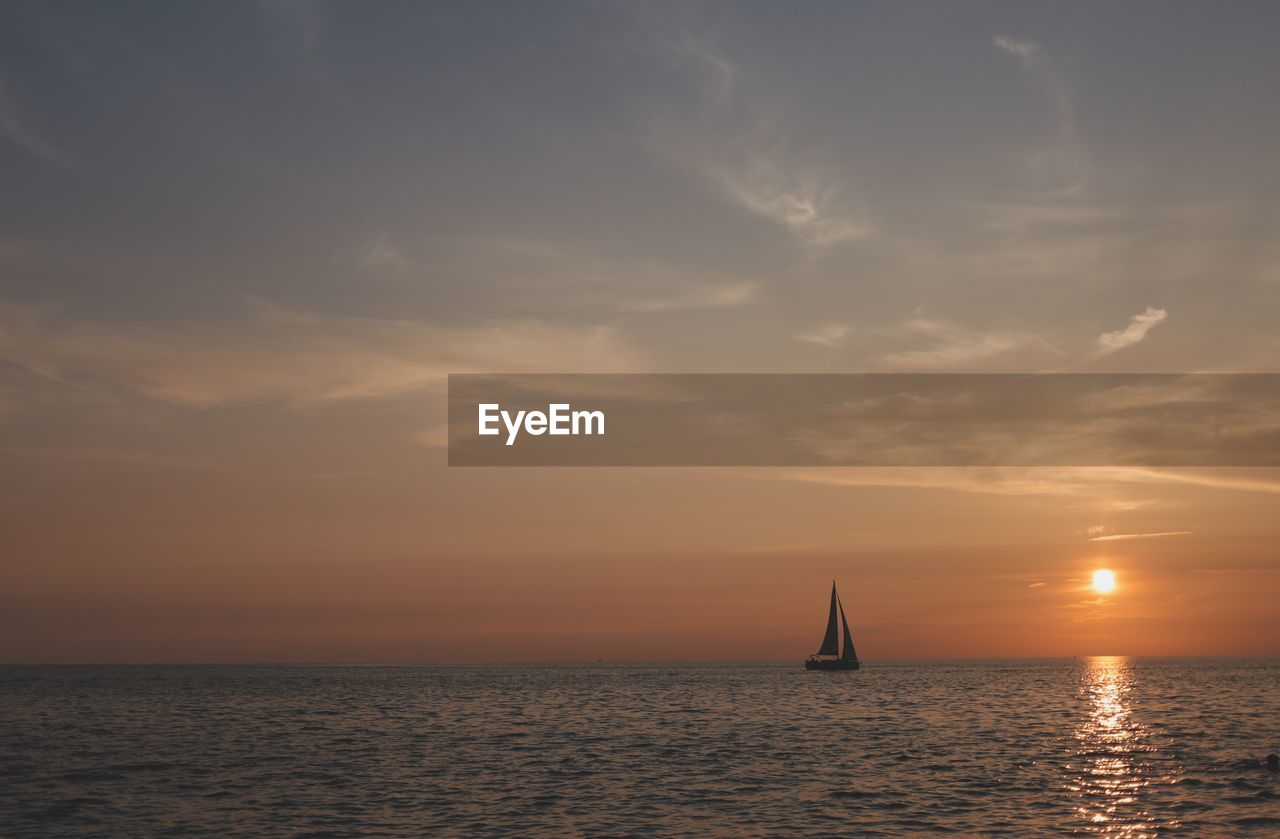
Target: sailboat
829 656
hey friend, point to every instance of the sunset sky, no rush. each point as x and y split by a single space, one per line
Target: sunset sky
242 244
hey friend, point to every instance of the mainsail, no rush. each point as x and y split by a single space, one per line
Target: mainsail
849 654
831 641
829 657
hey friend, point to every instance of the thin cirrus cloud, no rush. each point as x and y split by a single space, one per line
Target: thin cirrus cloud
1109 487
1062 164
575 278
738 142
1139 325
381 251
704 297
949 345
803 208
954 345
829 336
279 355
1124 537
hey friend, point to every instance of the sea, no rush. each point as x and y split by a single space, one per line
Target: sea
1105 746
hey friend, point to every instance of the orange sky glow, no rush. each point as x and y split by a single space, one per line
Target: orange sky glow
242 247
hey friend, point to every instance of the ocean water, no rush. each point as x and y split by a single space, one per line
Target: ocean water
1130 747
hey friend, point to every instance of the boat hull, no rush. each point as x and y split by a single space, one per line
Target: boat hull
836 664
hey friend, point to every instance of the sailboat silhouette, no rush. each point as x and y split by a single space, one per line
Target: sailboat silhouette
829 656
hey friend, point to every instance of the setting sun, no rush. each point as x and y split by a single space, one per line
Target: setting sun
1104 580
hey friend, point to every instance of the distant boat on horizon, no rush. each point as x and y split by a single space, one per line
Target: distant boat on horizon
829 656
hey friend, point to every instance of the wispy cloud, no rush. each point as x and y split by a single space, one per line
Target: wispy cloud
1030 53
274 354
985 481
830 335
1121 537
802 206
435 436
576 278
705 297
1091 484
15 127
715 73
381 251
1081 221
1062 165
1212 481
739 143
1139 325
953 345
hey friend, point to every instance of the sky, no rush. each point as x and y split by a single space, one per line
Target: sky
242 245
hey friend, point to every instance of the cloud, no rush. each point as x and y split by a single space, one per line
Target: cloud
577 278
827 336
435 436
1063 163
1206 480
1084 223
273 354
805 209
955 345
716 73
982 480
1120 537
706 297
381 252
1088 484
1139 325
1030 53
739 143
15 127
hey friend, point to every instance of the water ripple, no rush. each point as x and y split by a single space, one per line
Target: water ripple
1112 746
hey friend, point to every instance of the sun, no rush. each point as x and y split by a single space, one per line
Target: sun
1104 580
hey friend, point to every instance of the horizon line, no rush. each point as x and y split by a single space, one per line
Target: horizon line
591 662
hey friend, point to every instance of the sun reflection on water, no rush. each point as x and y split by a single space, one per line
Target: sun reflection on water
1116 758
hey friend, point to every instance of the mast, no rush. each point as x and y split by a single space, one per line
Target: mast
831 641
849 653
